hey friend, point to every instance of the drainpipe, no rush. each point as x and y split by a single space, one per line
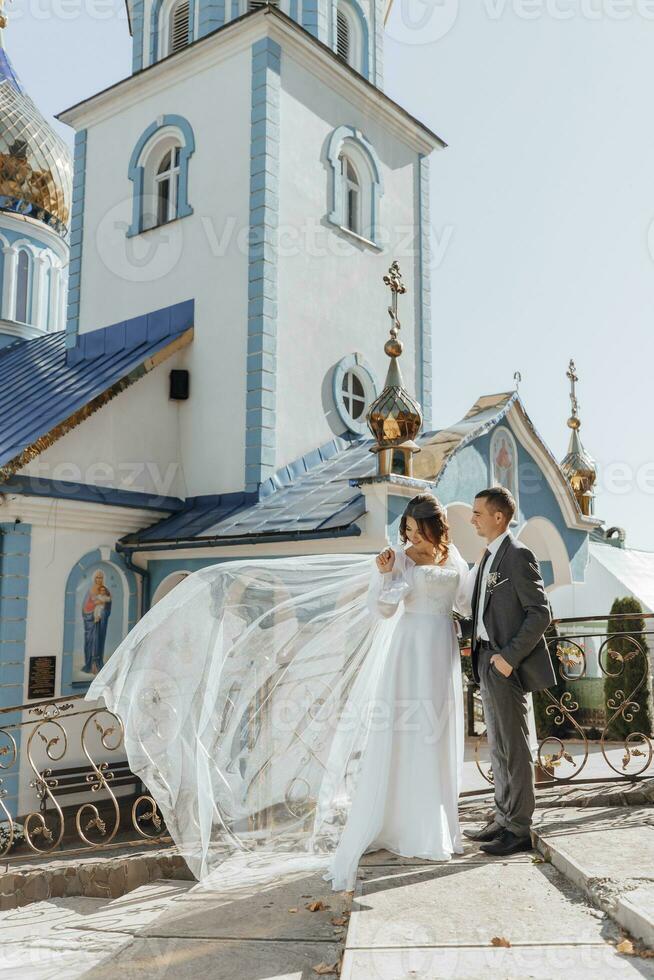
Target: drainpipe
144 574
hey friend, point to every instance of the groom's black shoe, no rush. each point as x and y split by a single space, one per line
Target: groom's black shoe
491 831
507 843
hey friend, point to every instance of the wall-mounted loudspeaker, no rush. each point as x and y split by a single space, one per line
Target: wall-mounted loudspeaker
179 385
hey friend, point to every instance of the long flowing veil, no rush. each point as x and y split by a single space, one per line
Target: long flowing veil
247 695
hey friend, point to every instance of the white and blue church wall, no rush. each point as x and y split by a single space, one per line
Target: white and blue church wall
33 279
352 29
65 592
253 311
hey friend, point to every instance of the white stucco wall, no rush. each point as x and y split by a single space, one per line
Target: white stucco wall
332 300
202 256
131 443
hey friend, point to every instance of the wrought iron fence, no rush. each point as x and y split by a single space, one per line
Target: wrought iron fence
608 734
72 750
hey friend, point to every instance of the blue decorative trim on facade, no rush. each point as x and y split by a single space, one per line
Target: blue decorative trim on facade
377 45
76 238
335 145
137 175
212 16
99 556
262 264
137 22
310 17
154 26
424 300
15 541
357 362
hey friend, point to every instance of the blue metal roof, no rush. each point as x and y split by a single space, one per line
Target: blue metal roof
314 495
43 385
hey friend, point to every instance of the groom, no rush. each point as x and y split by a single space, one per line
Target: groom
510 613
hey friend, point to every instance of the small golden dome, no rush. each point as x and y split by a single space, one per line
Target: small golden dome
394 418
578 466
36 169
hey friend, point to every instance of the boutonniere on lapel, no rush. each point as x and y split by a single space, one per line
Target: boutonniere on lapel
494 580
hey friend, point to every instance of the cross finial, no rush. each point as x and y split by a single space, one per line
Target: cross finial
3 16
393 280
571 374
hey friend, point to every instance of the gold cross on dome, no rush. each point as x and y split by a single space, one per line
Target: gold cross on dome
571 373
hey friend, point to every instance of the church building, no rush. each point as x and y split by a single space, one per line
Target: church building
225 234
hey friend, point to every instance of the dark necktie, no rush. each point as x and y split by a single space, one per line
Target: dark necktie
480 576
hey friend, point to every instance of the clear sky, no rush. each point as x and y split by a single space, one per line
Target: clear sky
542 204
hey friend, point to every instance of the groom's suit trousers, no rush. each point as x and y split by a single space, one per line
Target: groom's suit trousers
505 713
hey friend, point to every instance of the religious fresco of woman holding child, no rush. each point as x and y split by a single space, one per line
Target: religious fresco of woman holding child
96 609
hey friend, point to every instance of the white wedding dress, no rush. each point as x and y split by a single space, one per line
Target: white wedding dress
292 713
407 795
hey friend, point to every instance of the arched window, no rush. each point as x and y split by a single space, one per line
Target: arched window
171 27
23 278
178 26
357 184
342 36
159 171
166 185
351 41
351 195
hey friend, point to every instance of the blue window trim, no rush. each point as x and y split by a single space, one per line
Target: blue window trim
359 13
136 172
154 27
349 363
109 557
336 140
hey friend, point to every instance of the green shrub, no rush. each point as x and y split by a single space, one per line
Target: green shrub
628 672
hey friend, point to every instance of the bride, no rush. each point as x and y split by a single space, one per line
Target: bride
303 710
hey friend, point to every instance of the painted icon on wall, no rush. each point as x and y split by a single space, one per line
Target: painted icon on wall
99 620
504 460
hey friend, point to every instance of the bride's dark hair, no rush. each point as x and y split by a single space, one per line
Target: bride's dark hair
429 514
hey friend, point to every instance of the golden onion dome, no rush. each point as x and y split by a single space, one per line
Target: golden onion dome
36 168
578 465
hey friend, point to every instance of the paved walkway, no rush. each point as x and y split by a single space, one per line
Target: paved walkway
553 914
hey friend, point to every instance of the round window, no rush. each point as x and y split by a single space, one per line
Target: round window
354 390
354 396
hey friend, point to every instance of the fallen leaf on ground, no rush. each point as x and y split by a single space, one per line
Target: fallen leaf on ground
292 910
500 941
339 921
324 968
316 906
626 946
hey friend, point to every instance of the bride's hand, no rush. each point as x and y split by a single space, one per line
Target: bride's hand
386 560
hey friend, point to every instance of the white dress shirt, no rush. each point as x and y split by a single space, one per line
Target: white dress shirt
493 548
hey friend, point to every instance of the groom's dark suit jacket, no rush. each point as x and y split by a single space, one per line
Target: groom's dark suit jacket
516 614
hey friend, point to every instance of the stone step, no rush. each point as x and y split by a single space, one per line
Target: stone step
608 853
73 936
